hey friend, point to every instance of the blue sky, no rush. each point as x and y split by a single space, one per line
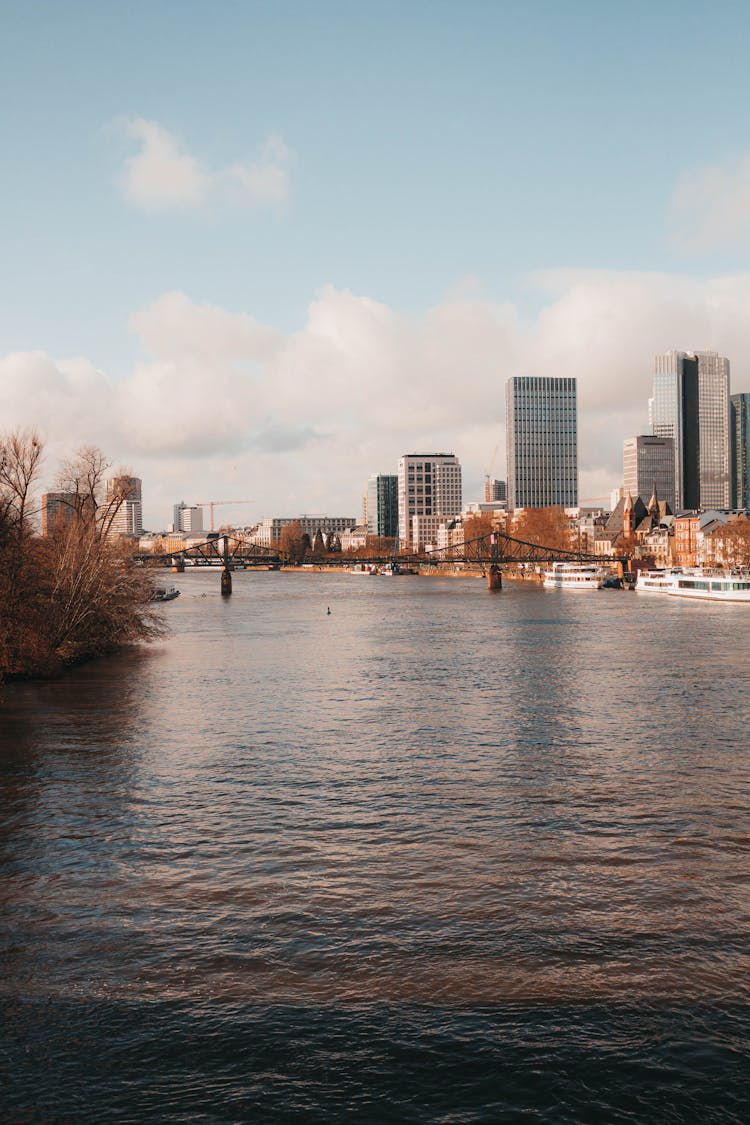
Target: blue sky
428 156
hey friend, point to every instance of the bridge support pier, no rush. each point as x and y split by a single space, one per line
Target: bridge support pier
226 582
494 578
178 566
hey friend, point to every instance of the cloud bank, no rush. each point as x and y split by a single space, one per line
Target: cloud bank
162 175
224 405
711 207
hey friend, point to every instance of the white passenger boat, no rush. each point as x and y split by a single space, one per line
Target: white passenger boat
657 581
699 584
574 576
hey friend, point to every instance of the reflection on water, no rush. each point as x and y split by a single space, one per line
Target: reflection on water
398 861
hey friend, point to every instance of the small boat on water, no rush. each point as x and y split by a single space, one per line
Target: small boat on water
702 585
574 576
165 594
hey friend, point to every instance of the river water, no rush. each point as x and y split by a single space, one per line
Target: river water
439 855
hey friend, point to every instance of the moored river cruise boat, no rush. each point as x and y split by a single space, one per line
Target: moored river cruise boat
574 576
695 583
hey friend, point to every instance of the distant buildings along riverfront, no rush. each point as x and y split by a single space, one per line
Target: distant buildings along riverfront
684 480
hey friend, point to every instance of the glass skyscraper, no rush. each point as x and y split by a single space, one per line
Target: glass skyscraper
541 423
382 505
740 415
690 404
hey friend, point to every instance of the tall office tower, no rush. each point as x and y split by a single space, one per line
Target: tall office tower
128 519
690 404
494 491
648 465
714 442
382 505
541 423
429 484
187 517
740 432
58 509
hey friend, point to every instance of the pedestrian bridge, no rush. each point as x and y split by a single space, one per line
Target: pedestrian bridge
488 552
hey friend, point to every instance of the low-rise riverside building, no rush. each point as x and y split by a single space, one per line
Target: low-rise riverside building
355 538
268 533
627 527
658 544
425 530
686 528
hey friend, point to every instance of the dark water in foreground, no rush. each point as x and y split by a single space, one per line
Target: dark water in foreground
441 856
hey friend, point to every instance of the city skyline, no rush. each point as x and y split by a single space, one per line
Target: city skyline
278 283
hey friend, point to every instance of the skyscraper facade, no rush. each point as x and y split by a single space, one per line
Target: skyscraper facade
648 466
187 517
541 423
429 484
382 505
124 494
690 404
58 509
740 429
714 441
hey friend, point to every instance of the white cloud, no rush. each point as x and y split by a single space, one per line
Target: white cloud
163 175
174 327
225 405
711 207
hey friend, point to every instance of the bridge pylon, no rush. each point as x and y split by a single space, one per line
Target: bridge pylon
494 578
494 574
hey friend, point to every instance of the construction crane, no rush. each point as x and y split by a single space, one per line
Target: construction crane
211 504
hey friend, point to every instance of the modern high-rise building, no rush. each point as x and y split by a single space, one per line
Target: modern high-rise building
740 432
648 466
690 404
187 517
124 494
58 509
429 484
714 441
495 491
382 505
541 423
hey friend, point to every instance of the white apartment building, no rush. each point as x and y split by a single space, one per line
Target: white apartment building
128 520
429 485
187 517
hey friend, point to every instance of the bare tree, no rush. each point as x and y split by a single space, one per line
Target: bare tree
20 459
76 593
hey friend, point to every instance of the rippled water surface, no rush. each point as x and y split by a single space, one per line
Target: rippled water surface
440 855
